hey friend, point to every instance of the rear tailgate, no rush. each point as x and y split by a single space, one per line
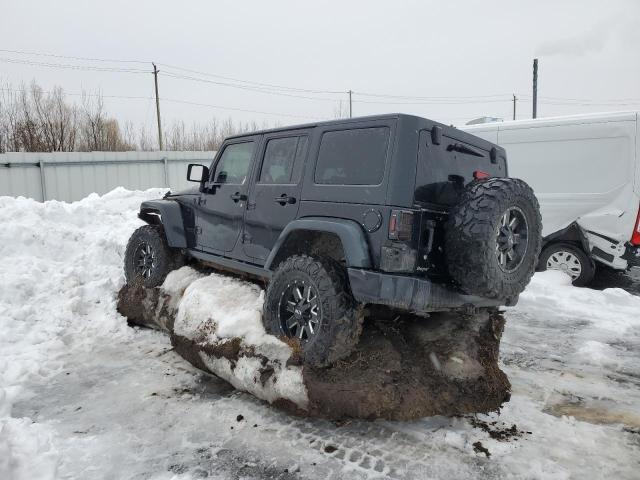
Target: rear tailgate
445 168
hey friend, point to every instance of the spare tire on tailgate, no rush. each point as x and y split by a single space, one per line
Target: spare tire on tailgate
493 238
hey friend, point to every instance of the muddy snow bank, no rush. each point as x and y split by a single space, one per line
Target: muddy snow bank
402 368
215 323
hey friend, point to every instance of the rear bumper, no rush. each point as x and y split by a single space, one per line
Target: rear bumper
632 256
413 294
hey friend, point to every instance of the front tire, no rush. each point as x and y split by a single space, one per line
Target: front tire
309 299
148 258
568 259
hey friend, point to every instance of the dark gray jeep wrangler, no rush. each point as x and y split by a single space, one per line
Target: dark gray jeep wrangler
391 210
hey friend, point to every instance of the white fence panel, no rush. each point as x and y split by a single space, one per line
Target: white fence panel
74 175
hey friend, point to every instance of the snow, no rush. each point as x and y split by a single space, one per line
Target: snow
215 308
60 267
82 395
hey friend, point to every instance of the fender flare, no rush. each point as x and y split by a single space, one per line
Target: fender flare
572 234
168 214
354 242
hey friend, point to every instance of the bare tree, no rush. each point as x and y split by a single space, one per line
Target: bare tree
44 121
99 132
145 141
93 119
33 120
340 111
129 135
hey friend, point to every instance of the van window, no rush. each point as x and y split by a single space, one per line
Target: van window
352 157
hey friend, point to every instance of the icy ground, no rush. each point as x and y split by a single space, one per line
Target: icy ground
82 395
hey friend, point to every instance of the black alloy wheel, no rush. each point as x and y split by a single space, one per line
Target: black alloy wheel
512 239
309 301
493 238
148 258
145 260
300 311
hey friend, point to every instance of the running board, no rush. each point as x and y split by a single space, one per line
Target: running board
229 264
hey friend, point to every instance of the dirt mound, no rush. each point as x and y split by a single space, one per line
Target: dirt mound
415 367
404 367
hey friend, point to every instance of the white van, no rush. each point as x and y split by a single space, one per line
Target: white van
585 171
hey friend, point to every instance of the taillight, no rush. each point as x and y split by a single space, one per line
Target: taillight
400 225
480 174
635 237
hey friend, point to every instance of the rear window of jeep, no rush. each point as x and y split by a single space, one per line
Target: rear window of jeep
352 157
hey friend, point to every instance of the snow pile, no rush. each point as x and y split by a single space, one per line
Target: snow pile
216 309
612 311
61 264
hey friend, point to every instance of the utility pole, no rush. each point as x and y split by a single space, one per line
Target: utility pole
350 105
514 106
155 77
535 87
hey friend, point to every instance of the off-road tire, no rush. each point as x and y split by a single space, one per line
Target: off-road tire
587 267
165 259
471 237
342 320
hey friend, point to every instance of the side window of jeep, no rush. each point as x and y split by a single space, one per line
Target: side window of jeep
352 157
283 160
233 166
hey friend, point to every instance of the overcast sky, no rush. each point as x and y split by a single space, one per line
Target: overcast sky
473 53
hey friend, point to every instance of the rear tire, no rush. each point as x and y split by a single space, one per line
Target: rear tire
309 299
148 258
493 238
569 259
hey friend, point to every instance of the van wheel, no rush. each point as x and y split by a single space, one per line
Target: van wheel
309 299
148 258
493 238
568 259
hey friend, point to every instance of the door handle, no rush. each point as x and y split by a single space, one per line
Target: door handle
285 199
236 197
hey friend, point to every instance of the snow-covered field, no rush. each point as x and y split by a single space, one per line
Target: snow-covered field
82 395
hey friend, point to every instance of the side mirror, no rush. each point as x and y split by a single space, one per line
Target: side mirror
197 173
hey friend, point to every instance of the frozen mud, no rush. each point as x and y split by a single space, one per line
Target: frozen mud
404 367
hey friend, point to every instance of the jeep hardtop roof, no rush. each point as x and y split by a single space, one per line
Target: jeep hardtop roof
407 121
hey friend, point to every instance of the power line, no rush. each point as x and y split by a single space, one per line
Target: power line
260 84
91 59
565 104
84 94
270 87
281 90
249 88
238 109
434 102
171 100
409 97
586 99
73 67
569 104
